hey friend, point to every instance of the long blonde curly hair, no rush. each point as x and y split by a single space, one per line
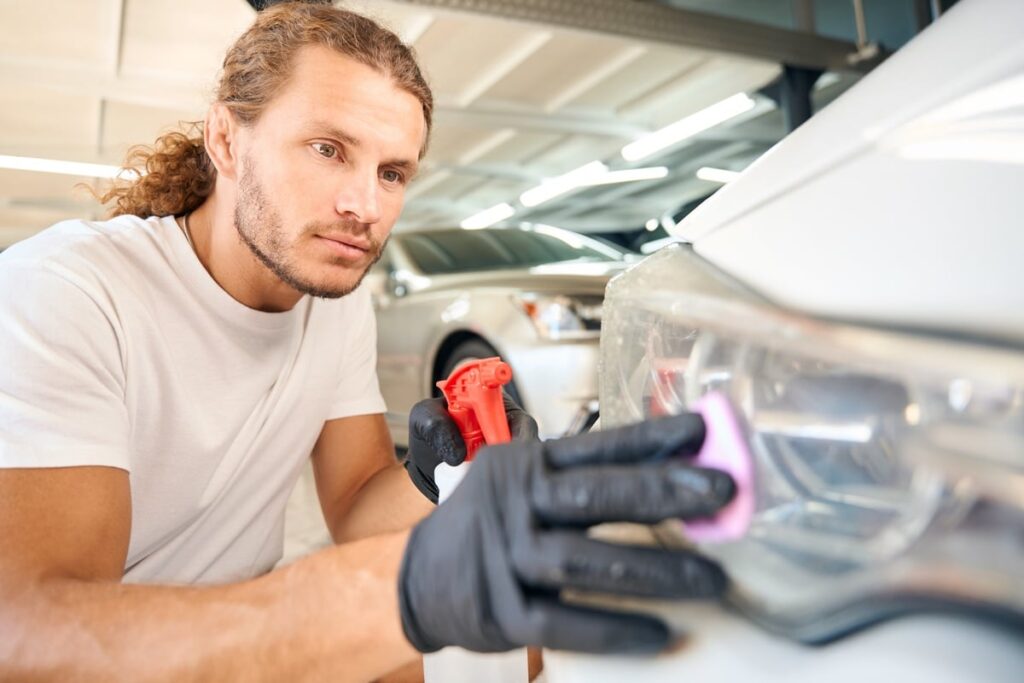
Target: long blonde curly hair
175 174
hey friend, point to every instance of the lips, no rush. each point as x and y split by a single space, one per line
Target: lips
352 242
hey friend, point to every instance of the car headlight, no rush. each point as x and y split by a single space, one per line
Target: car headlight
889 466
558 316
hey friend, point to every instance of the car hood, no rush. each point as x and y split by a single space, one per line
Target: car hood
899 204
566 278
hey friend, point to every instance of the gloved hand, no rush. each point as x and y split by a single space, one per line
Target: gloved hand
434 438
484 570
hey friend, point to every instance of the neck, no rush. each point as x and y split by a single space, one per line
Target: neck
231 263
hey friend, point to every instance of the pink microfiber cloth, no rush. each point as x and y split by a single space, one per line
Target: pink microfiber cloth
725 448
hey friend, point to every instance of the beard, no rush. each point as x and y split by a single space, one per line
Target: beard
260 227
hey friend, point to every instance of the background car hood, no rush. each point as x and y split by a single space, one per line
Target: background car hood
563 278
899 204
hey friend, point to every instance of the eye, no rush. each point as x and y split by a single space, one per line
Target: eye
325 150
392 176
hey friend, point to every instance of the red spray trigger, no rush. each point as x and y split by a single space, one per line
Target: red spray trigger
473 392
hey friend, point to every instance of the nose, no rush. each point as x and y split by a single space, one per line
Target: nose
358 197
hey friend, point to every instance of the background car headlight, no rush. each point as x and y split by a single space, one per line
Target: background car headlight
562 317
890 466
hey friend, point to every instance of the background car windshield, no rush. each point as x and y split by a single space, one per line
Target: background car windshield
457 251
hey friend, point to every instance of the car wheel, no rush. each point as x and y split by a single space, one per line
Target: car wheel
471 350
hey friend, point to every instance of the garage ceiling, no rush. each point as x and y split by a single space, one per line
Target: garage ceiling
518 102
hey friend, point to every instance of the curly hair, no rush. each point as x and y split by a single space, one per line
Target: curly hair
175 174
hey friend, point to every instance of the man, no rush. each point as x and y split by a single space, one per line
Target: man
166 373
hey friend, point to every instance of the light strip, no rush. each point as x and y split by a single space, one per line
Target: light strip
556 187
488 217
628 175
717 175
77 168
688 127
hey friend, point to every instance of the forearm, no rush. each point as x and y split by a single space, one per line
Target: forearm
387 502
332 616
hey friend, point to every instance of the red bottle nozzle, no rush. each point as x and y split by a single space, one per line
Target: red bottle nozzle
473 392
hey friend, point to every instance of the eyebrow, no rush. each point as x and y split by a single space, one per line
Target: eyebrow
332 131
337 133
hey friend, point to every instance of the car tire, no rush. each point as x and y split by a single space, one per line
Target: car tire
470 350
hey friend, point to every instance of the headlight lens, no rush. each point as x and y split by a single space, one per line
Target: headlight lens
890 466
558 316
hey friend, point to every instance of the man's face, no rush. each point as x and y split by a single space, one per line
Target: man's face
323 172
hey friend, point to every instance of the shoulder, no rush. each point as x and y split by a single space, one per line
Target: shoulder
88 253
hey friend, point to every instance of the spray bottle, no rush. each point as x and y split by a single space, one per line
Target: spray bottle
473 392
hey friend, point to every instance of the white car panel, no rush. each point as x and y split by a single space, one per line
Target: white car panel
900 203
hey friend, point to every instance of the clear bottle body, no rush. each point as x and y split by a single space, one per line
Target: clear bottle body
453 664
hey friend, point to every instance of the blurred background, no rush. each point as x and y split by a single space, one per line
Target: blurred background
526 92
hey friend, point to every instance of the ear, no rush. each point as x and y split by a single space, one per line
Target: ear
220 134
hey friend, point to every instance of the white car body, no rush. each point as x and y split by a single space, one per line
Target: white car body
898 207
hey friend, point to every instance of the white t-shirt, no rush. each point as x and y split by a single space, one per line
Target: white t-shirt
117 348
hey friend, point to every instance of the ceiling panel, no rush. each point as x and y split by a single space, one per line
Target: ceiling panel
574 151
708 83
455 186
462 144
185 39
523 147
463 56
62 23
496 191
125 125
37 120
656 67
39 187
544 78
406 21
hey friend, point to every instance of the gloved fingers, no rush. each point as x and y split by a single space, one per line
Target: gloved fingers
520 423
422 482
650 440
586 629
430 422
563 559
644 494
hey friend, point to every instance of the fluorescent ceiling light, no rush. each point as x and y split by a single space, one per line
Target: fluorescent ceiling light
717 175
63 167
688 127
594 173
555 187
628 175
488 217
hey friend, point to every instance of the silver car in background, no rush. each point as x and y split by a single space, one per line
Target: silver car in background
531 294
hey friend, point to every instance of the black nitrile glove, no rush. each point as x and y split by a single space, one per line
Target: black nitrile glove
485 569
434 438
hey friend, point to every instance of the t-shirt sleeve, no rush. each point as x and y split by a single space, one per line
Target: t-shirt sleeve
358 391
62 380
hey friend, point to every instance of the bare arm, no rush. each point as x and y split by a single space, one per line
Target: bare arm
64 615
362 490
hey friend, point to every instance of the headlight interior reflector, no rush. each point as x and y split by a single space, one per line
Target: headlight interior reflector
890 466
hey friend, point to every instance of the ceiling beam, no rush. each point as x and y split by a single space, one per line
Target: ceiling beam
500 117
516 172
661 23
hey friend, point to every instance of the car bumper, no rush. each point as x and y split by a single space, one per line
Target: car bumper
558 383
